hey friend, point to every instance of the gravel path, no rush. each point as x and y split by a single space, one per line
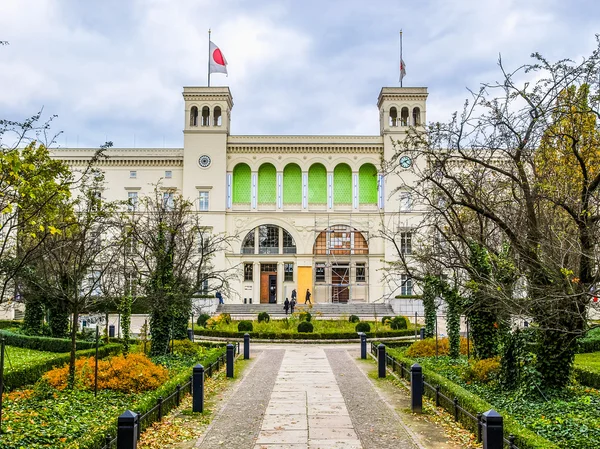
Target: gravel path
239 422
374 422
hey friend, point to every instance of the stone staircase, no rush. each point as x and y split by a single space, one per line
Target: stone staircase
326 310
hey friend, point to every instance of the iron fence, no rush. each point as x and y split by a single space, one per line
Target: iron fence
451 405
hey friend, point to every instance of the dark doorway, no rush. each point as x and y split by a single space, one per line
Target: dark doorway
340 278
268 283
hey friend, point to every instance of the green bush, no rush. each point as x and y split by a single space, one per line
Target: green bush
305 326
399 322
226 318
264 316
202 319
354 319
48 344
385 319
293 335
587 377
7 324
245 326
304 316
363 327
31 374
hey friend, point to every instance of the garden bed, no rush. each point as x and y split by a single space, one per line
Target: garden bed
568 420
587 369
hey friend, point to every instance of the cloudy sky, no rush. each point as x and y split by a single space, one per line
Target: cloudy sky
114 69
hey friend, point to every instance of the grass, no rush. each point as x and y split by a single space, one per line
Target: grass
18 358
591 361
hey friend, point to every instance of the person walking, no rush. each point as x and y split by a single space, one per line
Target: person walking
294 295
307 300
292 305
286 306
219 296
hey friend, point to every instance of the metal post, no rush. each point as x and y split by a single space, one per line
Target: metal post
416 388
127 430
415 326
198 389
107 441
493 430
455 402
422 333
96 363
246 346
381 359
468 343
1 379
230 353
436 337
363 345
178 391
159 403
479 427
193 336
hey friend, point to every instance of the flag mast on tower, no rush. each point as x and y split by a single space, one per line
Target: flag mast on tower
402 65
216 61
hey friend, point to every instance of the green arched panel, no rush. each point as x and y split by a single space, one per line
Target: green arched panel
342 184
367 184
267 184
242 184
292 184
317 184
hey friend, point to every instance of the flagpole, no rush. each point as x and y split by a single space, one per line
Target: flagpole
400 65
209 57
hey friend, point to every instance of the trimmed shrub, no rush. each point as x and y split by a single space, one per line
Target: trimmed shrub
185 347
354 319
399 322
304 316
264 316
587 377
305 327
484 371
225 317
245 326
288 335
202 319
363 327
7 324
48 344
426 348
386 319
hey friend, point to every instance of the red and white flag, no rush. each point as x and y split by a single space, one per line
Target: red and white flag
218 63
402 69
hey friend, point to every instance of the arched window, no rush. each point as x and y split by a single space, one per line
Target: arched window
416 116
342 184
267 184
404 116
317 184
242 180
340 240
393 116
289 246
249 243
292 184
367 184
217 116
194 116
269 237
205 116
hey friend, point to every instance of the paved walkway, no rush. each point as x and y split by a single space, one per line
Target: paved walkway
306 397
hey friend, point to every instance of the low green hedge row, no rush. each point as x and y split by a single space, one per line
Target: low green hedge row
48 344
7 324
589 345
587 377
96 437
297 336
524 438
31 374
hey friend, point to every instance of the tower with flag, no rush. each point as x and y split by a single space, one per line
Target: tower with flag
216 60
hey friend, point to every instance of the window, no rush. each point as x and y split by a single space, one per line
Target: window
248 243
248 271
404 117
289 247
405 285
168 200
203 242
204 287
203 201
320 272
268 239
406 242
194 116
94 283
168 174
268 267
131 283
360 272
217 116
205 116
416 116
133 174
288 271
393 116
132 200
405 202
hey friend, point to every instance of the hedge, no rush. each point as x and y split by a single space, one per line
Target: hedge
587 377
47 344
95 437
296 336
7 324
589 345
524 438
31 374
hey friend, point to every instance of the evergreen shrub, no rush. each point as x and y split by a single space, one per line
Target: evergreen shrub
354 319
305 327
386 319
202 319
363 327
264 316
399 322
245 326
305 316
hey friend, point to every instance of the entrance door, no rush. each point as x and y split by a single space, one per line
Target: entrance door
340 279
268 287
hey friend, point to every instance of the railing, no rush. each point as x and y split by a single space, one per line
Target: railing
165 405
441 400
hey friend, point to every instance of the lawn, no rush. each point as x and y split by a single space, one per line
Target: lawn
591 361
18 358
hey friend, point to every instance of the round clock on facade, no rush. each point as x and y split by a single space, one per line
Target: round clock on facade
405 162
204 161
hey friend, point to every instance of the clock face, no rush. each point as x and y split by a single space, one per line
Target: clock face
204 161
405 162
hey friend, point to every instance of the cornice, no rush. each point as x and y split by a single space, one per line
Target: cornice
305 144
126 162
303 149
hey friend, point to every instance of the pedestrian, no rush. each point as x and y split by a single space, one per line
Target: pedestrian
286 306
219 296
307 300
292 305
294 296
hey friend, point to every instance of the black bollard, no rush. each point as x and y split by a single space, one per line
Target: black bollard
246 346
492 427
127 430
422 333
416 388
190 334
230 355
363 345
198 389
381 359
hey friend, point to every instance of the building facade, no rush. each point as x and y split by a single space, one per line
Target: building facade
306 209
